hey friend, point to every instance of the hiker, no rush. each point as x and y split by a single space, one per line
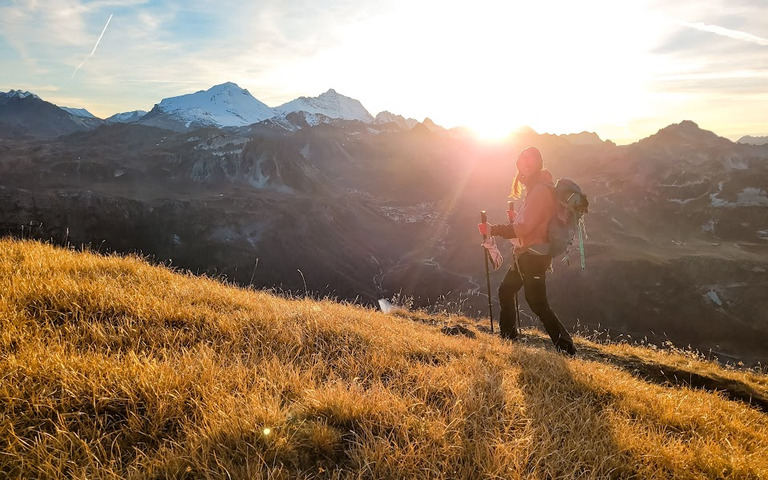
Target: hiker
528 231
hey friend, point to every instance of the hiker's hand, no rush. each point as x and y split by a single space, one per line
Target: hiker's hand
511 214
485 229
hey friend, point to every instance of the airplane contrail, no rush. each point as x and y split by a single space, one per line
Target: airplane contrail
727 32
94 47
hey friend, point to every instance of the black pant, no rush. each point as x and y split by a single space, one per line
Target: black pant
531 276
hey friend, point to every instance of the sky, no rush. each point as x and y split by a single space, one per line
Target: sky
622 69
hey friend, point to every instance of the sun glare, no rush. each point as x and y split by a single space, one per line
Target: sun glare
492 132
504 71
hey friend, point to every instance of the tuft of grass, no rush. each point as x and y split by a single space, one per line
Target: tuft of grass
112 368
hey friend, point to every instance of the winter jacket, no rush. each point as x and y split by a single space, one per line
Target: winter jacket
530 225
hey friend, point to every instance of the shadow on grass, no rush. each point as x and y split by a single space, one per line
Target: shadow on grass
665 375
670 375
571 423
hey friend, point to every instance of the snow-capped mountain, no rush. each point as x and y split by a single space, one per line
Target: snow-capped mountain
126 117
225 105
17 94
78 112
228 105
331 104
386 117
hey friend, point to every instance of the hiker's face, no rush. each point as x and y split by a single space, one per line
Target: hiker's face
527 168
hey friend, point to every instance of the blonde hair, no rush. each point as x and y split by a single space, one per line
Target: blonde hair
517 187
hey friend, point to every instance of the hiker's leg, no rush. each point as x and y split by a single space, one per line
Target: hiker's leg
507 290
534 272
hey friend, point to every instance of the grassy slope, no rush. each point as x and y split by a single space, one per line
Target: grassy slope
111 368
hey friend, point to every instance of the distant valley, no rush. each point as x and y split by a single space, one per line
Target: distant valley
323 197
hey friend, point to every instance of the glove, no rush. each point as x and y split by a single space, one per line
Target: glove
493 253
485 229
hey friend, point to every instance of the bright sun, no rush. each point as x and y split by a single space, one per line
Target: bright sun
492 131
497 69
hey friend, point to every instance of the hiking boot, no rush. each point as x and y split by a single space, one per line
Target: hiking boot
509 336
568 351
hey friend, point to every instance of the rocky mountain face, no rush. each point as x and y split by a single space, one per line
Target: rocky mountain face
754 140
678 233
26 114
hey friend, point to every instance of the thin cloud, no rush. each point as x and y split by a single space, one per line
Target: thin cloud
94 47
726 32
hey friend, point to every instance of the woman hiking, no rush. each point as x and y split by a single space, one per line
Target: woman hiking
528 231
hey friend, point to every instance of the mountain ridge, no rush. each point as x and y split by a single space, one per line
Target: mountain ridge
665 215
752 140
331 104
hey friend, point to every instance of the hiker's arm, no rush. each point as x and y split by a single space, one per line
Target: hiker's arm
503 231
538 209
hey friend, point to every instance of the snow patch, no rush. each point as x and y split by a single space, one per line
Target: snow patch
736 163
126 117
718 202
681 185
259 180
78 112
752 197
713 297
680 200
749 197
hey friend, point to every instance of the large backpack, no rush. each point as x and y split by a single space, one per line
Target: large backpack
568 221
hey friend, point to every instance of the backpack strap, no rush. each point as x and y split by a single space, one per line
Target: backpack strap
582 228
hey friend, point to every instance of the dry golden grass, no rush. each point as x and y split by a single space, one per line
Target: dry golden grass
112 368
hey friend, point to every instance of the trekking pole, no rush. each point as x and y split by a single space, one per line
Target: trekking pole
511 208
483 219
